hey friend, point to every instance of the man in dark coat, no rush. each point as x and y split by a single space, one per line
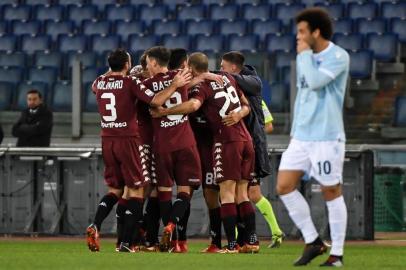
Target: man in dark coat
34 127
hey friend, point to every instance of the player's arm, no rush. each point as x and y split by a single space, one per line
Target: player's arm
234 117
187 107
268 118
205 76
318 77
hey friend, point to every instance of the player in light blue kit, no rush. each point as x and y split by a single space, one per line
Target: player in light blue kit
317 143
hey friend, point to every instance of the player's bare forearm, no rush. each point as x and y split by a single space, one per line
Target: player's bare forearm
234 117
183 108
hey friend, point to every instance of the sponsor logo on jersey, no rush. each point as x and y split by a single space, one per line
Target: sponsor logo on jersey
166 124
113 125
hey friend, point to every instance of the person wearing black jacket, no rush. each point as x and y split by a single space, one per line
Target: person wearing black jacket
250 83
34 127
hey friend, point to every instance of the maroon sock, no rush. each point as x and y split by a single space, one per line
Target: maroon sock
215 226
165 205
248 217
229 219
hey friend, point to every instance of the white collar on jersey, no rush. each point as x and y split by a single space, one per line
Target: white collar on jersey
323 52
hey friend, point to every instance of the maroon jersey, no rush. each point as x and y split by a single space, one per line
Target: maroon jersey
219 101
116 97
171 132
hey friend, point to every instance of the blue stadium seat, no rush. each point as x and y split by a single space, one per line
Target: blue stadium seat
205 27
287 12
10 2
195 12
400 112
243 43
173 4
151 13
8 42
350 42
252 12
227 27
68 43
38 2
48 59
384 46
46 75
283 59
243 2
263 28
167 27
366 26
56 28
23 88
172 42
280 43
80 13
71 2
62 97
126 28
344 26
23 27
143 2
209 2
89 74
274 2
213 43
92 27
362 10
101 4
6 90
31 44
335 10
140 42
101 44
43 13
361 64
15 59
3 27
11 74
90 99
398 26
279 97
266 91
393 10
120 12
309 3
16 12
226 12
88 59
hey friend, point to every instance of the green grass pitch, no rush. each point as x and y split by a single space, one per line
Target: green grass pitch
73 254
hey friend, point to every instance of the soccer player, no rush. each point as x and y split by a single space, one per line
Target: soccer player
177 157
317 146
250 83
233 150
116 94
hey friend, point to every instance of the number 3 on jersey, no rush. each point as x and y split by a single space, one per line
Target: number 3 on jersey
230 97
111 106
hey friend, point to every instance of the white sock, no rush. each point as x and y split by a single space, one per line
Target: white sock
299 212
337 217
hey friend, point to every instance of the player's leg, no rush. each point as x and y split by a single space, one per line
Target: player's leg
181 229
151 219
265 208
120 216
211 197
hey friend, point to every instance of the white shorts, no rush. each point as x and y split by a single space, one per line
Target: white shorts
322 160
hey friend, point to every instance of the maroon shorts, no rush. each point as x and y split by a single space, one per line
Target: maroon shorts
122 162
234 161
206 158
181 167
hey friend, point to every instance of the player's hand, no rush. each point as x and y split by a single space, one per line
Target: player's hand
302 45
231 119
182 78
213 77
157 112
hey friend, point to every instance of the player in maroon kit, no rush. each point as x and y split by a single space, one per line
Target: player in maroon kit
116 94
176 154
233 150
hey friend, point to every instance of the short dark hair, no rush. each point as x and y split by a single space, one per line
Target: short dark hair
34 91
160 54
178 56
234 57
317 18
117 59
199 61
143 61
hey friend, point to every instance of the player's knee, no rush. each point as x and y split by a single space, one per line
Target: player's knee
331 193
254 194
116 191
136 192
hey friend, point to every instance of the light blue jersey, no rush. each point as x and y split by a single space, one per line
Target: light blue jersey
321 83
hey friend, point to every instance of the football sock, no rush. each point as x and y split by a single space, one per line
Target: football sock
241 233
215 226
182 225
265 207
247 214
151 219
337 217
229 219
165 205
133 219
299 212
181 204
103 209
120 215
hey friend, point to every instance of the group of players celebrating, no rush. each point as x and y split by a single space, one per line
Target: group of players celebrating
170 121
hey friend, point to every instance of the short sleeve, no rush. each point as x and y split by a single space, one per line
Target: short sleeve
141 91
199 92
267 114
